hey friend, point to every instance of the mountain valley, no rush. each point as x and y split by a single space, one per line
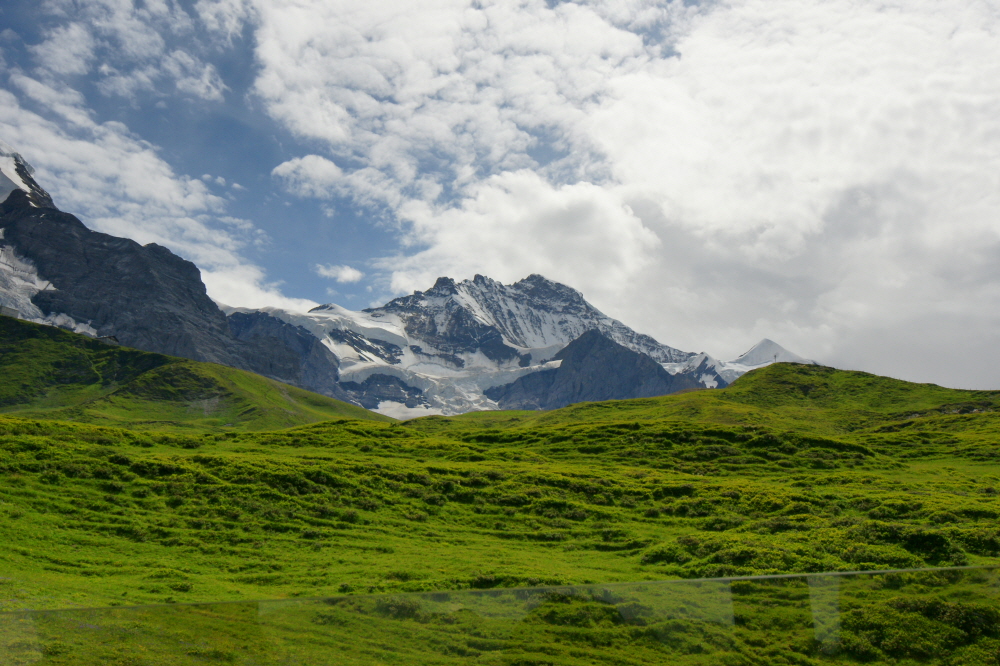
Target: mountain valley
157 448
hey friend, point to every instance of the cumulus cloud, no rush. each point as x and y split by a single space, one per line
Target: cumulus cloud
309 176
516 223
340 273
823 173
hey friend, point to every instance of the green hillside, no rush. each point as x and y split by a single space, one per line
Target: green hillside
132 478
53 374
792 469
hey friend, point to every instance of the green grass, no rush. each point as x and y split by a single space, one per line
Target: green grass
52 374
928 617
149 496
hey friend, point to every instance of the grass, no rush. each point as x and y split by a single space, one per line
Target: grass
52 374
927 617
792 469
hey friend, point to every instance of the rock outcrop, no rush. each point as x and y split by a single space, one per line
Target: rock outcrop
592 368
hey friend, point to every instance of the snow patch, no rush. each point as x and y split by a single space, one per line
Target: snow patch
9 178
766 352
68 323
19 282
398 410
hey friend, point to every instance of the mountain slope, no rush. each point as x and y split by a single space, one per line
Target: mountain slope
447 349
55 270
53 374
803 469
591 368
435 351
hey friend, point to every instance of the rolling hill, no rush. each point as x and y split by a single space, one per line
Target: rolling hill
54 374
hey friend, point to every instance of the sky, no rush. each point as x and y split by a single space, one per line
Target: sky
824 173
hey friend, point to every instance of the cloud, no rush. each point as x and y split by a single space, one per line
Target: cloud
309 176
118 184
193 76
340 273
225 17
68 49
823 173
245 285
129 47
516 223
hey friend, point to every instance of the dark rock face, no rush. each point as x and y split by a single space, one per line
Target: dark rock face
288 353
593 368
384 388
145 296
148 298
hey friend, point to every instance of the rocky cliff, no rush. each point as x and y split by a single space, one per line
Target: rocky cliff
591 368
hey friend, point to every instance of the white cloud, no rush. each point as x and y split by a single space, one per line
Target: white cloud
68 49
515 223
245 285
309 176
193 76
118 184
820 172
225 17
340 273
128 45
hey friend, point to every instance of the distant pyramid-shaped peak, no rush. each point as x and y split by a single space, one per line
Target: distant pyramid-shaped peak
768 351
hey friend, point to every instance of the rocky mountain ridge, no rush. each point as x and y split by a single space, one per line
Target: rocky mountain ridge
458 346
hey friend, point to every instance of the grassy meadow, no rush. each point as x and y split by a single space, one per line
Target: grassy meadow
52 374
116 487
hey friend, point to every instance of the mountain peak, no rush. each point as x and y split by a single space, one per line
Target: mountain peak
768 351
443 284
16 174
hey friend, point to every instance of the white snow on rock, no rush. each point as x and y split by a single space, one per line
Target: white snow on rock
761 354
765 352
19 282
9 178
398 410
535 317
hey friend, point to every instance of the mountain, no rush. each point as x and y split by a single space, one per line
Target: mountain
54 374
451 348
583 376
55 270
761 354
16 174
459 346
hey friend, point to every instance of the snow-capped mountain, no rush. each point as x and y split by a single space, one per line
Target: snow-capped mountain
438 351
16 174
459 346
763 353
